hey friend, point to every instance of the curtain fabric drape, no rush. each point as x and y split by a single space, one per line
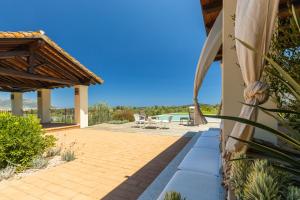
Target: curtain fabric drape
207 56
254 24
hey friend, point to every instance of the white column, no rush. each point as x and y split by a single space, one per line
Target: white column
232 82
44 105
81 105
17 103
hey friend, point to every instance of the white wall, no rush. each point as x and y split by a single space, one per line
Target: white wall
232 82
81 105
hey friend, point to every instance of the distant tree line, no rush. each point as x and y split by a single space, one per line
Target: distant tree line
158 110
102 112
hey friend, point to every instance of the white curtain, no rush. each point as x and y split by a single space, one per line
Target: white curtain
207 56
254 24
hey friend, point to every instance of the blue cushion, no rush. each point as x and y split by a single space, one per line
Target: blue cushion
202 160
208 142
211 133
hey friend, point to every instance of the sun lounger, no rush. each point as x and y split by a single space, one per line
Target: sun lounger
152 122
191 120
166 121
139 120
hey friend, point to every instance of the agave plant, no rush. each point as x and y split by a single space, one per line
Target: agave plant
239 173
172 195
293 193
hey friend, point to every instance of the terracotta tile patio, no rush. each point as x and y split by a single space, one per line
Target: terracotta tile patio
108 166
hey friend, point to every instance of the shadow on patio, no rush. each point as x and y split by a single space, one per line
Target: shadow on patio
48 127
136 184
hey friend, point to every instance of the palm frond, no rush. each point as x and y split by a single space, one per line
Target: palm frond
273 110
278 133
296 18
272 153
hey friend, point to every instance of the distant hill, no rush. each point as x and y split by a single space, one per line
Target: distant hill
27 104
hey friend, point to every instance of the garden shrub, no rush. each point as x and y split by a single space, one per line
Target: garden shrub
21 140
258 179
7 172
118 121
68 155
293 193
39 162
238 174
261 185
99 113
55 151
123 115
172 195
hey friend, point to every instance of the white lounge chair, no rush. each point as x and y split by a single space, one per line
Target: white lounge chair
139 120
166 121
152 122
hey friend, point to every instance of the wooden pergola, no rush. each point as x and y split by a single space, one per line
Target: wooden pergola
31 61
212 8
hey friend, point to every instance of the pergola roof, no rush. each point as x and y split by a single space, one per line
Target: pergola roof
212 8
31 60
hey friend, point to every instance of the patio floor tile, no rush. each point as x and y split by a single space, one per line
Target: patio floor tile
109 165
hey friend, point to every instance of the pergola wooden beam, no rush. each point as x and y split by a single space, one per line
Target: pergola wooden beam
213 7
25 75
33 58
14 53
31 68
18 85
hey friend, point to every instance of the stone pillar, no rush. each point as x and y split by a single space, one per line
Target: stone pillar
17 103
232 82
44 105
81 105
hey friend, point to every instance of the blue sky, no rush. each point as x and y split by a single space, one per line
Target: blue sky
145 50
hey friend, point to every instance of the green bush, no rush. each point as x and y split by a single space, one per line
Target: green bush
99 113
173 196
21 140
7 172
118 121
39 162
55 151
293 193
123 115
68 155
258 179
261 186
238 174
